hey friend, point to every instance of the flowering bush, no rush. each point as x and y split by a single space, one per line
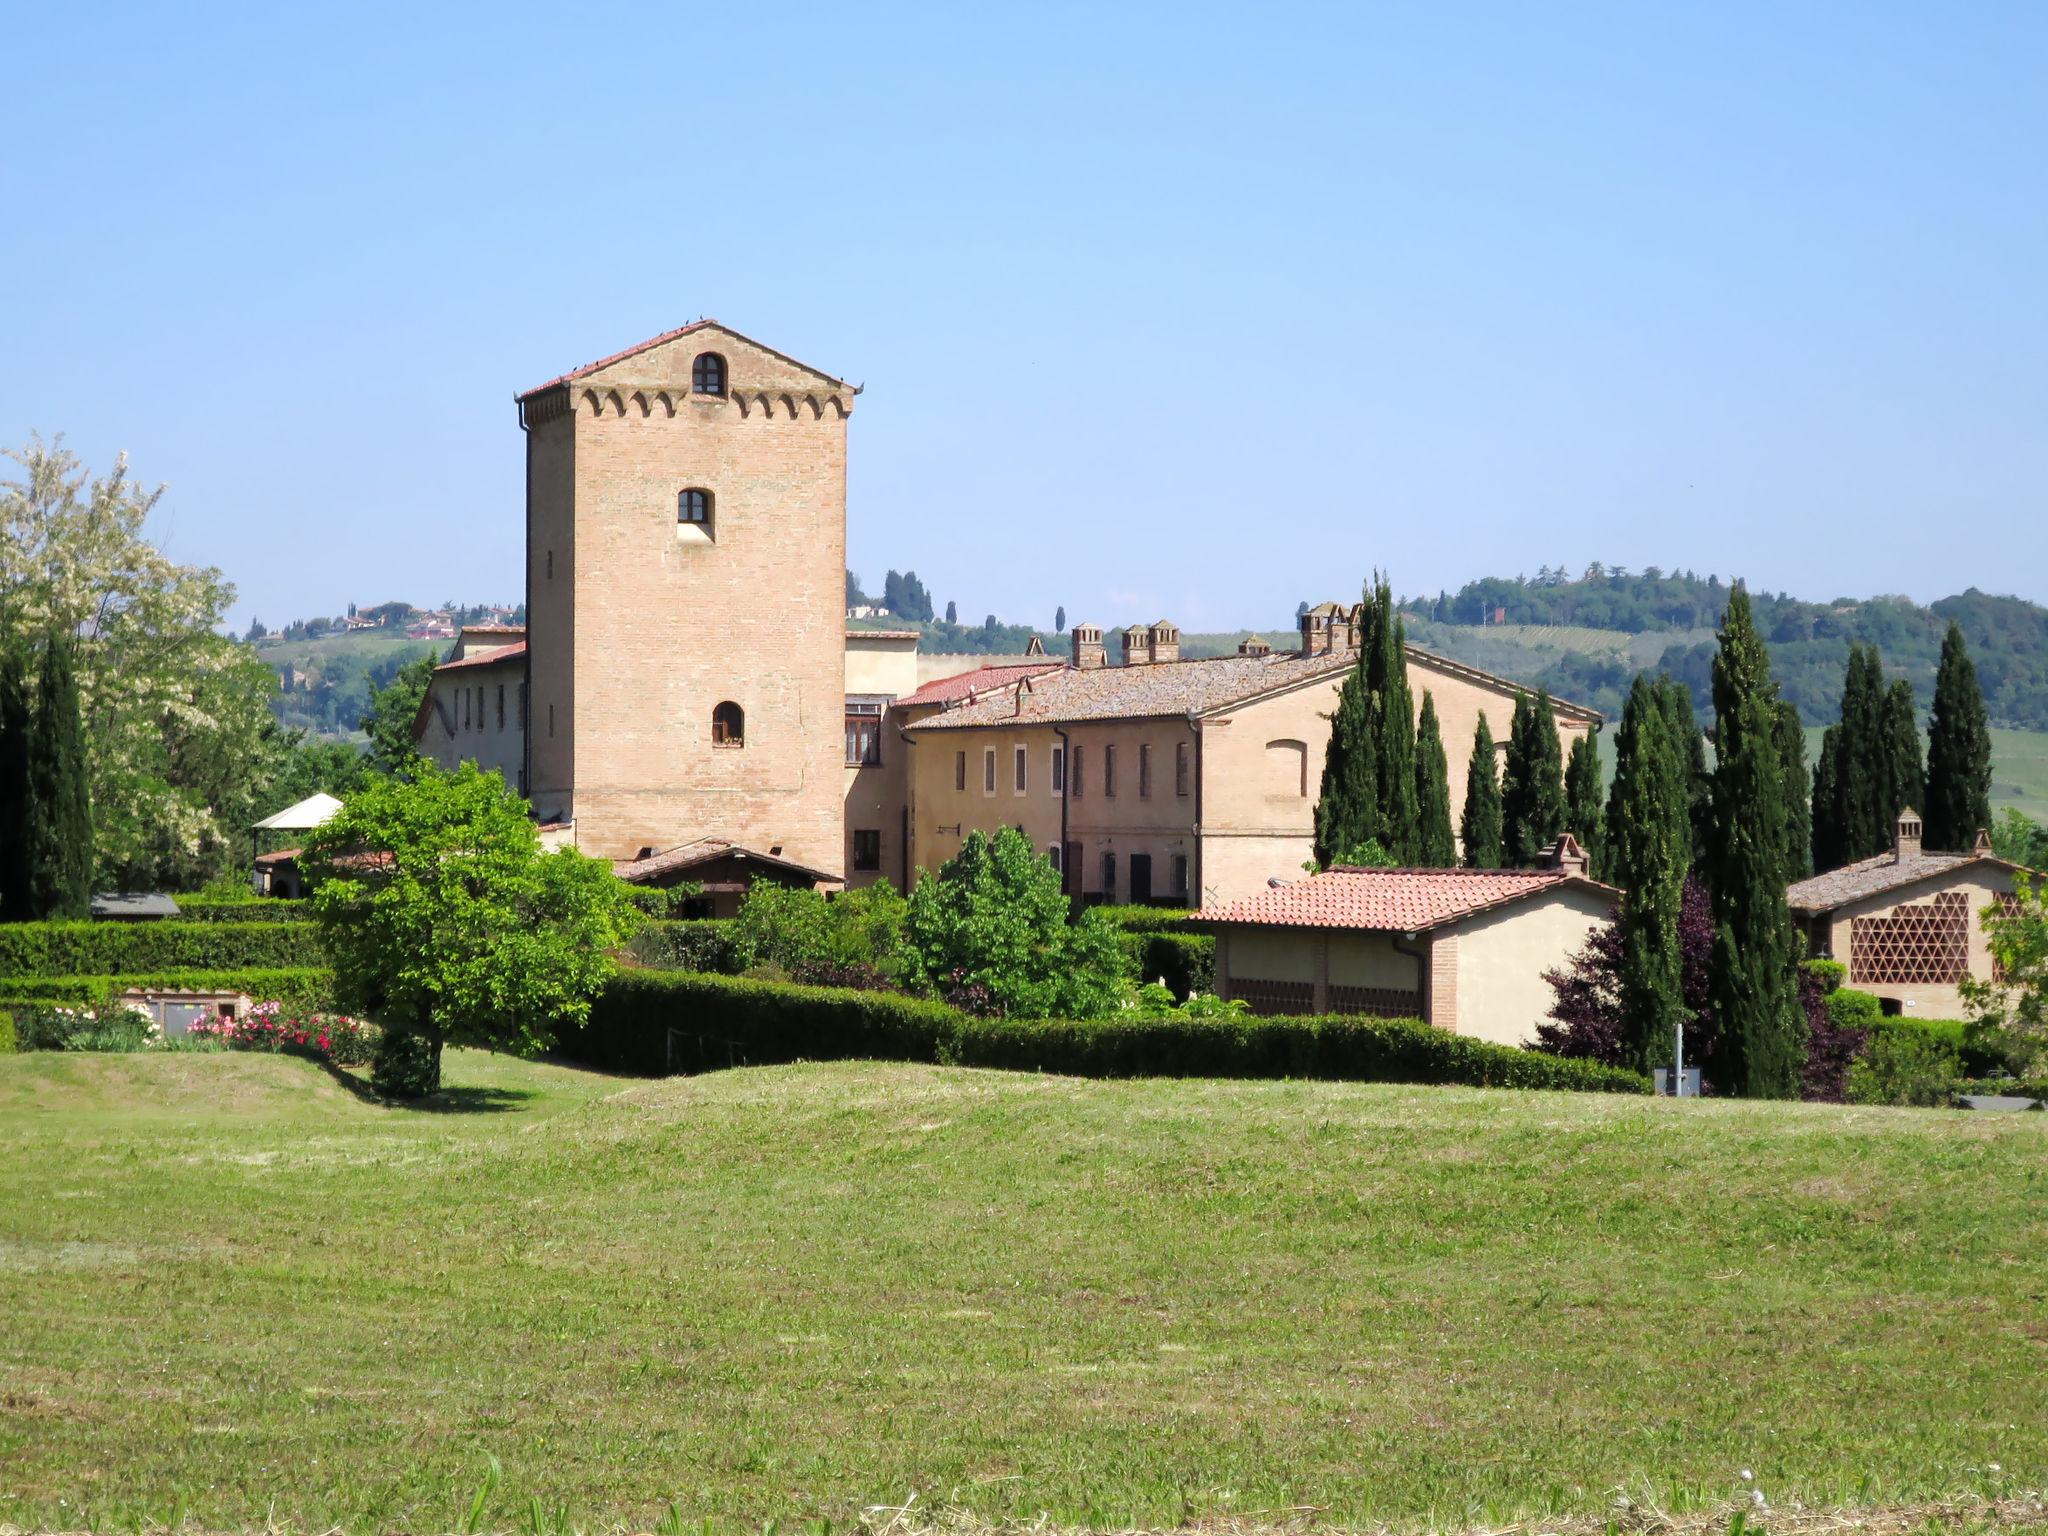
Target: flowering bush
278 1027
113 1028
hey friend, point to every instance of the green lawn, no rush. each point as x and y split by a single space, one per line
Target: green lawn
230 1287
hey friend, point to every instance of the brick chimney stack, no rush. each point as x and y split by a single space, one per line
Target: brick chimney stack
1906 836
1164 641
1137 646
1089 651
1566 854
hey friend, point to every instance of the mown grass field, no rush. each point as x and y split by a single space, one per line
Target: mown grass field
232 1289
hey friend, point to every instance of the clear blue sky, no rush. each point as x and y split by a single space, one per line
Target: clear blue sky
1178 310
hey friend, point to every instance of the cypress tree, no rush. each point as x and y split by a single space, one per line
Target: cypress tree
1826 816
1860 762
1435 847
1583 794
1479 828
1347 806
1958 803
60 825
1385 656
1755 958
1690 742
1649 850
1904 780
1791 736
1532 794
14 790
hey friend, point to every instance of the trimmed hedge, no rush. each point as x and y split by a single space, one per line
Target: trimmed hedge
7 1042
703 944
252 909
1186 962
1148 919
305 986
106 949
659 1022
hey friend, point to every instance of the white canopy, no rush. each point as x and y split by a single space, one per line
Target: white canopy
313 811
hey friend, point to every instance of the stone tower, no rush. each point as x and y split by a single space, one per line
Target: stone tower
685 581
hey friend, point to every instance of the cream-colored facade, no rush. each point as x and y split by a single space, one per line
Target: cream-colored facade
686 553
1193 807
475 706
881 667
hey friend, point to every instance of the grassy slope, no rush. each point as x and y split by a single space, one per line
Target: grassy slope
802 1290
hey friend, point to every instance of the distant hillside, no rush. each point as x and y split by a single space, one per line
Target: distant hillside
324 683
1586 637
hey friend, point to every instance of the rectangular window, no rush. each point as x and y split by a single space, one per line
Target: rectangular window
863 733
1109 869
1079 762
1053 855
1109 773
1180 768
1071 870
465 709
551 719
1145 770
867 850
501 706
988 770
1020 756
522 706
1180 876
1059 770
960 771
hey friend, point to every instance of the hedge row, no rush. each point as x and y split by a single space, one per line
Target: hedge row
104 949
1850 1009
1148 919
249 909
1186 962
304 986
701 944
659 1022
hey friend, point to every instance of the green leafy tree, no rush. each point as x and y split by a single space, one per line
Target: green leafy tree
990 933
389 718
1436 846
1755 962
443 918
16 816
1904 780
1391 723
855 938
1370 854
1958 802
1648 852
1585 801
1798 805
2010 1012
2018 839
1480 824
1532 789
1347 805
60 805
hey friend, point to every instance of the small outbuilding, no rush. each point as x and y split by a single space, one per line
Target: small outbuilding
722 871
1462 949
277 874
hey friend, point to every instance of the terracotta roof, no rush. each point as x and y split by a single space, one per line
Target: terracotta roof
486 658
1170 688
1875 876
967 685
705 850
885 634
661 340
1393 900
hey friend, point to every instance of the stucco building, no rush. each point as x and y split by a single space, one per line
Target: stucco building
1908 924
1461 949
1184 782
474 709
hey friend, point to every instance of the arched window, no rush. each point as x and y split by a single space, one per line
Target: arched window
707 374
728 725
694 506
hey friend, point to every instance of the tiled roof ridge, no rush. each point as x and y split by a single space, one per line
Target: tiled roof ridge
485 658
665 337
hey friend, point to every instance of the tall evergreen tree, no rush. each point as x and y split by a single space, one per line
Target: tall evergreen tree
1059 619
1755 981
1532 791
1436 847
1860 768
15 816
952 612
1791 737
1904 777
1479 827
1648 851
1826 818
1958 803
1392 723
60 807
1584 815
1692 748
1347 805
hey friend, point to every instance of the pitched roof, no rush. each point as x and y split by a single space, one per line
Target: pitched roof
1168 688
662 340
1393 900
514 652
705 850
967 685
1875 876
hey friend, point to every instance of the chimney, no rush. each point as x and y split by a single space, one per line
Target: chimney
1165 641
1088 648
1906 836
1354 627
1565 854
1137 646
1318 627
1982 846
1254 645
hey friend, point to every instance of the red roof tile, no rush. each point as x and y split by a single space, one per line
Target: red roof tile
485 658
967 685
1392 900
